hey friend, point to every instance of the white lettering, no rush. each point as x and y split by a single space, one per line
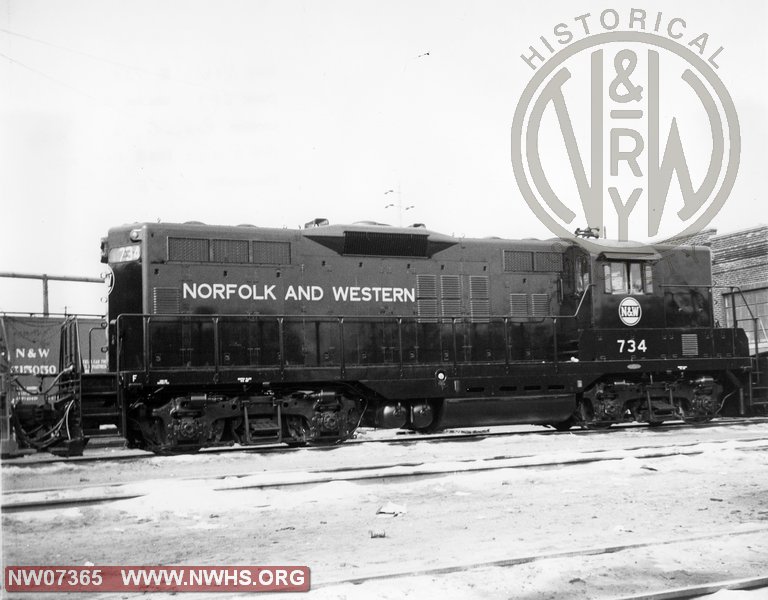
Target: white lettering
376 294
311 293
221 291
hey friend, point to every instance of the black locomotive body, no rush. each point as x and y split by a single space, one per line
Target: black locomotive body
244 334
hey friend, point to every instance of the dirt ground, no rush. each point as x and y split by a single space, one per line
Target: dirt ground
456 519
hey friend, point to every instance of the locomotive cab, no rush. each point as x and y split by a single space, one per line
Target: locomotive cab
651 303
652 322
624 293
653 287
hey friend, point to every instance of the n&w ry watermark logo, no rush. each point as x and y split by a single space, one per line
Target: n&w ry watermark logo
621 107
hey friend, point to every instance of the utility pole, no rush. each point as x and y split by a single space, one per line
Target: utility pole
399 205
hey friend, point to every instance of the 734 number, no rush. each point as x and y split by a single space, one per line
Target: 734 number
631 346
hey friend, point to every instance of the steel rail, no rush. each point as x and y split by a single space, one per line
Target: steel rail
365 473
575 552
401 438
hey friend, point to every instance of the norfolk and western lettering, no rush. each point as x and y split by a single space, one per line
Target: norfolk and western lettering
304 293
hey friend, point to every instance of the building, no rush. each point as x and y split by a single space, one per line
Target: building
740 274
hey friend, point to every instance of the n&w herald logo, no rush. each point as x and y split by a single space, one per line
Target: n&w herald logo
630 311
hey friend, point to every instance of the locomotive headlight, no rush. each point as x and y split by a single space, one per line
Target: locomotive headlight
441 375
124 254
135 235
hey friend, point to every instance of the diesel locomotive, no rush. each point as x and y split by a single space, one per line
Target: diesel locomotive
241 334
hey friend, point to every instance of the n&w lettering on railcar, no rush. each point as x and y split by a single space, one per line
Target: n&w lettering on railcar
313 293
221 291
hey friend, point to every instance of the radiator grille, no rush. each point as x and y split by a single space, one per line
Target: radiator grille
426 286
451 308
166 301
515 260
375 243
188 249
690 344
549 261
539 305
518 305
478 287
427 309
272 253
451 286
480 310
230 251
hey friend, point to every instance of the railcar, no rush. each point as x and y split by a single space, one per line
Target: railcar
221 335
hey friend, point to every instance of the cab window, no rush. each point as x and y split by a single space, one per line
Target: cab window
627 278
635 279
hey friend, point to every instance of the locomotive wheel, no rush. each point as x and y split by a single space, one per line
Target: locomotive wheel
296 432
692 418
585 417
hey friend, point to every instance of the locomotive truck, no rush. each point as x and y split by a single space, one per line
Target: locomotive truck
241 334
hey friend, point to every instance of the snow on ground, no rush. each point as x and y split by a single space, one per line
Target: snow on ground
449 519
761 594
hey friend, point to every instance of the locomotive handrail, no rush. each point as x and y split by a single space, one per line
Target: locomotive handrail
555 352
101 326
741 293
581 301
69 345
755 320
733 289
399 321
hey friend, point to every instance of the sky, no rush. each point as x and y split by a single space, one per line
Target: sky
274 113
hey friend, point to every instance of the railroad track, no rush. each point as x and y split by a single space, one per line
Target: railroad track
589 551
400 438
56 498
695 591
